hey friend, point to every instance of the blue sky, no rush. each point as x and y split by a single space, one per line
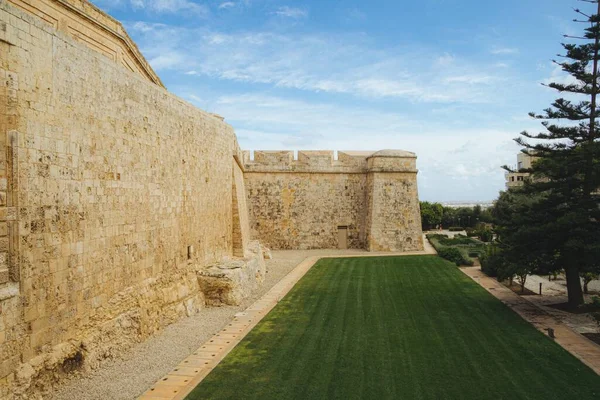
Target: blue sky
452 81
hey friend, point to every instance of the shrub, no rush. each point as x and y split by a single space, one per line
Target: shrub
596 316
456 229
491 261
487 266
454 255
471 232
486 235
435 236
455 249
451 254
458 240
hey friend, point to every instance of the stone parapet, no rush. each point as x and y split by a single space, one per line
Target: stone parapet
392 161
89 25
325 161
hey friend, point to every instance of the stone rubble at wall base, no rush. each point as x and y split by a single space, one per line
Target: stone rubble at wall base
233 280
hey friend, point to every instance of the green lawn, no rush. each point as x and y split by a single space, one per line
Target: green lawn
395 328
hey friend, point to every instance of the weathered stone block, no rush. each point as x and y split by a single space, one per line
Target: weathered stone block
230 281
4 275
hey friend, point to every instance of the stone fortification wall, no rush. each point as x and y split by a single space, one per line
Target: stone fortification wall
115 196
95 29
299 204
303 203
393 214
123 208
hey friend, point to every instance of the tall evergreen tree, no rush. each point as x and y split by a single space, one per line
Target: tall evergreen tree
561 216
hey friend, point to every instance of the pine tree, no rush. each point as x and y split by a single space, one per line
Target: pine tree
561 220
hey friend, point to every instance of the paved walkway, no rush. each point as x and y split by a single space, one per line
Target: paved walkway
191 371
582 348
556 287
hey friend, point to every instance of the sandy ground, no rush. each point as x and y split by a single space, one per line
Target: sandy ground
555 292
141 366
558 286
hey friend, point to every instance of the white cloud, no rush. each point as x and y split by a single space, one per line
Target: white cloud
226 5
323 63
193 98
559 76
159 6
150 28
467 165
461 146
167 60
445 59
504 50
472 79
290 12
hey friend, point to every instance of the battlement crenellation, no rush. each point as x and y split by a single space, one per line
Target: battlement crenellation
329 161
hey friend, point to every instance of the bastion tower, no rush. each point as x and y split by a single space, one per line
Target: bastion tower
359 200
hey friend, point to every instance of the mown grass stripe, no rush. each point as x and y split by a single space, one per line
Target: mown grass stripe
395 328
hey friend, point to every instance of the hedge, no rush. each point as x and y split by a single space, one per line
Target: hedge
447 248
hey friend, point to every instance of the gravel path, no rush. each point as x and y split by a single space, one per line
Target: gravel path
141 366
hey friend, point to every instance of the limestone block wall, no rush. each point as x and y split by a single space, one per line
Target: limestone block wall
393 208
95 29
116 192
299 204
302 203
241 223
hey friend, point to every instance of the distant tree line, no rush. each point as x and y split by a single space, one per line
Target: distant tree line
435 215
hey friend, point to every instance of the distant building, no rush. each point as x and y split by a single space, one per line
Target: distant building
520 174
